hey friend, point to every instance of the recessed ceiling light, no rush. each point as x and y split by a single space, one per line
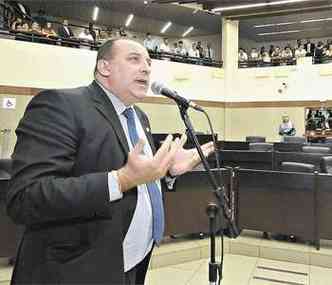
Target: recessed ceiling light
129 19
187 31
256 5
166 27
95 13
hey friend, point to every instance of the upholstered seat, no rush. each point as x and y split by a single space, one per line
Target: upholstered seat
292 139
290 166
255 139
316 149
261 146
326 164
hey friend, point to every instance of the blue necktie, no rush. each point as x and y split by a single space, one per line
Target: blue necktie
153 189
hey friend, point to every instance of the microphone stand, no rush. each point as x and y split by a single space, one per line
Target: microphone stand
219 193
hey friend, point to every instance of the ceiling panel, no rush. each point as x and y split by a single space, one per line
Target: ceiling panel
151 17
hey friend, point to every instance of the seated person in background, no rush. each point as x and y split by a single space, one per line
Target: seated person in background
200 49
266 57
175 47
149 43
92 32
209 52
286 128
243 55
122 32
276 52
35 28
24 28
287 53
329 51
164 47
181 50
193 52
85 35
319 49
254 54
48 31
65 31
300 52
17 24
105 34
310 48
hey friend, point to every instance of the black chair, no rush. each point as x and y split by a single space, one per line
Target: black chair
255 139
316 149
261 146
290 166
291 139
326 164
294 167
328 140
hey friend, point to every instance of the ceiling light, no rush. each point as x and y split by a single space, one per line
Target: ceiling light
187 31
256 5
165 28
95 13
277 33
316 20
129 19
273 25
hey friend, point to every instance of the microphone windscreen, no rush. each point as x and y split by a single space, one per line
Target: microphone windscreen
156 87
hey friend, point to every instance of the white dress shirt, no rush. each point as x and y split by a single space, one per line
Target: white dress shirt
138 241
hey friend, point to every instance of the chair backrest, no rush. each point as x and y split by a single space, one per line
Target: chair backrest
261 146
253 139
326 164
6 165
316 149
292 139
291 166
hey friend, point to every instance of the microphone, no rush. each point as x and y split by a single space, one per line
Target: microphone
159 88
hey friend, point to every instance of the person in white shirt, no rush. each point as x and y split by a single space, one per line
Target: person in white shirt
149 43
242 55
88 190
254 54
300 52
286 128
164 47
193 51
85 35
287 53
180 49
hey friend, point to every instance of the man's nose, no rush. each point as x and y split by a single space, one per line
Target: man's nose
146 68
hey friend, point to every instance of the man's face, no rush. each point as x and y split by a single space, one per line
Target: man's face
129 71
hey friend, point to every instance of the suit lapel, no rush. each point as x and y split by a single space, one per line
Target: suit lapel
106 109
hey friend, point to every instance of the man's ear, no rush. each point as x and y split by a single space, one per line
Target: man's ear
104 68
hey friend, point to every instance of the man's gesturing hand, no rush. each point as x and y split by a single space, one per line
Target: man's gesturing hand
186 159
141 169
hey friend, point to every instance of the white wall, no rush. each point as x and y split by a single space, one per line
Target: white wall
47 66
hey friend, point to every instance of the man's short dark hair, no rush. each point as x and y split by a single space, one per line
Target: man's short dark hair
105 52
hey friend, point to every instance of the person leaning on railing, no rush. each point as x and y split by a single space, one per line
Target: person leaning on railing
48 31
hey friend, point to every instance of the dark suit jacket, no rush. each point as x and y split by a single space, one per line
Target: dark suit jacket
67 142
62 32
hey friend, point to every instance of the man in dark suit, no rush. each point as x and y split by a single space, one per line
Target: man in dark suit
86 177
64 31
